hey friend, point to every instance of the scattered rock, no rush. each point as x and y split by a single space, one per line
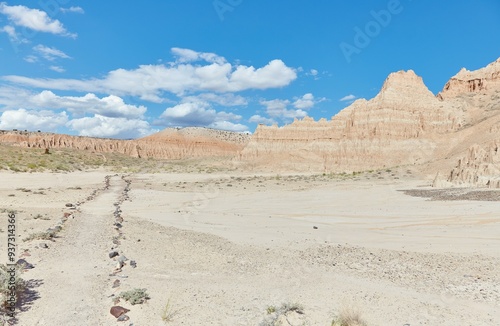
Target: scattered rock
315 227
123 318
113 253
118 311
25 263
122 259
69 205
116 284
44 245
133 264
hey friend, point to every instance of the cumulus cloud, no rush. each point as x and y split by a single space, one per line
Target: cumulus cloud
278 109
200 114
228 99
32 119
34 19
229 126
349 97
101 126
305 102
110 106
50 53
189 114
261 120
183 79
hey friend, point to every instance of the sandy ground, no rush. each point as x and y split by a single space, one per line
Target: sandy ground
220 249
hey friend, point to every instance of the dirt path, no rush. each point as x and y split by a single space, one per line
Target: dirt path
75 270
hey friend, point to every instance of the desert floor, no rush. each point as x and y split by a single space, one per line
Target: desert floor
219 249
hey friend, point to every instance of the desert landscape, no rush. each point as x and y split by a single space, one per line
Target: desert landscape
387 214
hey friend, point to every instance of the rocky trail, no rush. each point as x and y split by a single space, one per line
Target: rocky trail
78 260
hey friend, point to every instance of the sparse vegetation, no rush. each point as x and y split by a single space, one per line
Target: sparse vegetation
169 313
5 279
349 316
276 313
41 217
45 235
135 296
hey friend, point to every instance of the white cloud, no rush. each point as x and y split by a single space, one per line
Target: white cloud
229 126
200 114
13 36
77 10
13 97
110 106
50 53
349 97
189 114
305 102
279 109
57 69
101 126
275 74
227 99
313 72
33 19
261 120
150 81
31 58
187 55
31 120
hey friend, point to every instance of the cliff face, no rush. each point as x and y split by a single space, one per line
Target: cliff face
168 144
479 92
480 166
394 128
481 81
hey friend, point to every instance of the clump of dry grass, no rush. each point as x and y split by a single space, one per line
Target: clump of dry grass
349 316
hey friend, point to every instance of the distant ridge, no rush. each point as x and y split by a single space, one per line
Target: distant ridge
455 134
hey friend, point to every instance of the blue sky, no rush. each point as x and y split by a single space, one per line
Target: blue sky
127 69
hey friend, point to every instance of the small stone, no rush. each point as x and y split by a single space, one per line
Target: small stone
25 263
118 311
315 227
113 253
122 259
69 205
123 318
116 284
44 245
133 264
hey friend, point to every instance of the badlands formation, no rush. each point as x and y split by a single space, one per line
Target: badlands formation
454 136
306 224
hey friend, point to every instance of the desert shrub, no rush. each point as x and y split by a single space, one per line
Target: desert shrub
135 296
348 316
275 313
45 235
6 282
